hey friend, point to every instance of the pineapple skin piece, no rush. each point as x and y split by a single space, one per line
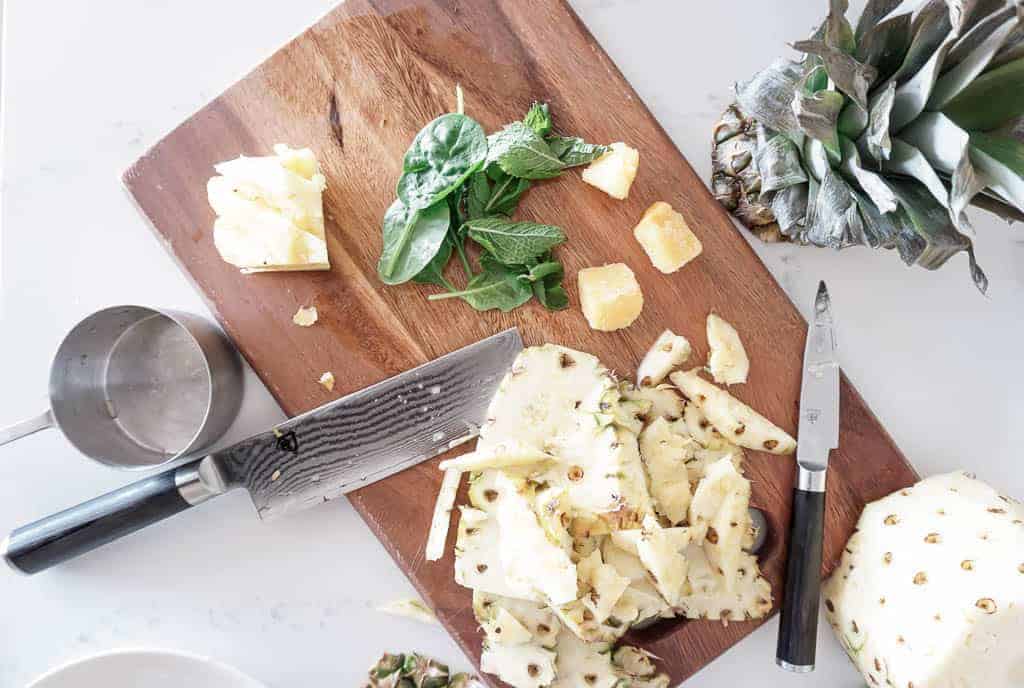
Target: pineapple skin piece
523 666
614 171
750 597
734 420
664 400
663 561
728 362
610 296
669 351
665 455
666 238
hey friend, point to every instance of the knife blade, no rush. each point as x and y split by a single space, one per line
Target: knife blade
818 435
351 442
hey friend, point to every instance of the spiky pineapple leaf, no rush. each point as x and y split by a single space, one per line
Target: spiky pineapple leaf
1002 160
789 206
768 95
778 162
1012 49
930 27
818 113
909 161
912 95
850 76
971 54
884 46
874 12
873 185
993 99
876 137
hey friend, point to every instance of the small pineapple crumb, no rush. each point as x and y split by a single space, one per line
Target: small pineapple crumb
667 239
304 317
614 171
274 476
327 380
411 608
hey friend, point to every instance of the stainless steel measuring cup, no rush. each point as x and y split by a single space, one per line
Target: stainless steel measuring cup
135 387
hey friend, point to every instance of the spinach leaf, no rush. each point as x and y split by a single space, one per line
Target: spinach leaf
411 240
433 273
514 242
539 119
520 152
440 159
501 198
497 287
573 151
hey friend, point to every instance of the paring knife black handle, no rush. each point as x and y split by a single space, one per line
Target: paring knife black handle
80 529
798 629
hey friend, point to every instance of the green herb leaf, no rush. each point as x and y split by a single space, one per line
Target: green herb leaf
994 98
433 273
442 156
573 151
411 240
539 119
512 243
546 278
520 152
501 198
497 287
553 298
542 271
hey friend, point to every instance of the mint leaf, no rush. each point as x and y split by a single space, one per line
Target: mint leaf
497 287
440 159
520 152
573 151
501 198
411 240
539 119
553 298
512 243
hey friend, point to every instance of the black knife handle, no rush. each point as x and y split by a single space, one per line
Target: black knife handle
798 628
80 529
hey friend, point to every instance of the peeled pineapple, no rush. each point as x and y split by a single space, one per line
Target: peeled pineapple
614 171
610 296
666 238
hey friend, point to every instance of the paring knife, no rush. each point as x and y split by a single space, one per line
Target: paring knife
818 436
310 459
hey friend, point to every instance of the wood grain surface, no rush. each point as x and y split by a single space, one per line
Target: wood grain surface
356 88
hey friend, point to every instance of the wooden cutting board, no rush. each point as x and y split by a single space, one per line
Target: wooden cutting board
356 88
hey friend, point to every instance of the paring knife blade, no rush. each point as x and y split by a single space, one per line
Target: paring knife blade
819 388
373 433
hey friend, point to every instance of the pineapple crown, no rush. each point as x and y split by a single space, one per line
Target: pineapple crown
883 134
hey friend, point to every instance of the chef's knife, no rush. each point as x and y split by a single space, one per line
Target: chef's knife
818 436
310 459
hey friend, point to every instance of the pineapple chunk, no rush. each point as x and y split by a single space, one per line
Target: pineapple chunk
522 666
610 296
660 557
669 352
614 171
665 454
728 362
270 212
736 421
667 239
603 585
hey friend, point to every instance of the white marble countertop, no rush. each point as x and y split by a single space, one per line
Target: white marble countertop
88 86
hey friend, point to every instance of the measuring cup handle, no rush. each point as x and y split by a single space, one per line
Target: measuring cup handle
26 427
80 529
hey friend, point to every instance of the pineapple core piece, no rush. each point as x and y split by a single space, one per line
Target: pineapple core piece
667 238
614 171
610 296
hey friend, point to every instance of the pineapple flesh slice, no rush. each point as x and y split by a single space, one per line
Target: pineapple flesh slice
728 362
663 561
667 239
614 171
736 421
666 454
670 351
610 296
